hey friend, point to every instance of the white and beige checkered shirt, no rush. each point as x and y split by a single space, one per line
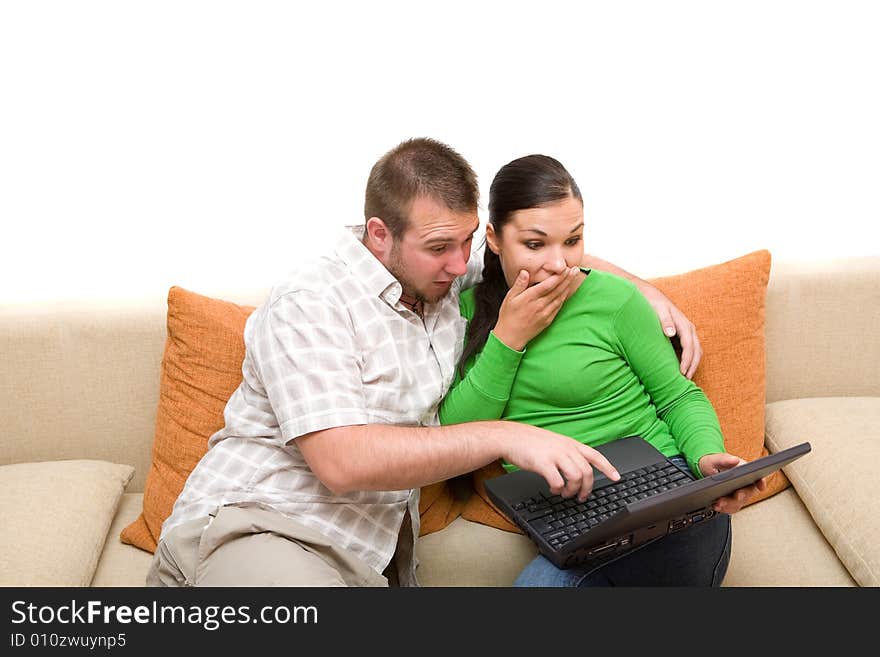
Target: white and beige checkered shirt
332 346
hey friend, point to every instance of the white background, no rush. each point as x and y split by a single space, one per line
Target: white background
212 144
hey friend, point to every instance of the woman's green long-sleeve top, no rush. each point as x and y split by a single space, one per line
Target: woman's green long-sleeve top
602 370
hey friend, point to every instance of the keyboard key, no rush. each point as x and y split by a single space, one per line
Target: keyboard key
528 516
541 526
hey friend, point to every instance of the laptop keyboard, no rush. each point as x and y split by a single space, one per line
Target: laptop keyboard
560 520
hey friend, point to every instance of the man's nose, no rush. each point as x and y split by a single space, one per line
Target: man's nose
457 263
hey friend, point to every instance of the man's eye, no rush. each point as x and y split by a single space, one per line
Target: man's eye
438 249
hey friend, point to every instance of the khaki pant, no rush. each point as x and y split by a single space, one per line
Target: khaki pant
250 545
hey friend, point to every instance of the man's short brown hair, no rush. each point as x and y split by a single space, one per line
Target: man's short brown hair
414 168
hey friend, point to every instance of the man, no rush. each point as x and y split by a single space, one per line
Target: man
314 478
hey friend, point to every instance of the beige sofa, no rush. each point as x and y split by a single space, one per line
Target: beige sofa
80 385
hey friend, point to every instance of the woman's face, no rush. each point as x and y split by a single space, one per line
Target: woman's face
543 241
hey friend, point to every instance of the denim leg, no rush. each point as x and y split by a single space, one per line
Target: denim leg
542 573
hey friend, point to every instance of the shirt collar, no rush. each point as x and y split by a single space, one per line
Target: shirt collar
365 266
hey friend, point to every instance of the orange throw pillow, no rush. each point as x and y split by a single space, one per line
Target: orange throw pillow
726 304
201 368
437 507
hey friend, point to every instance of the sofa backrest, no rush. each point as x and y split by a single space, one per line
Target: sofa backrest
82 380
823 329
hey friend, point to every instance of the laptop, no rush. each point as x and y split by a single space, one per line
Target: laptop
653 498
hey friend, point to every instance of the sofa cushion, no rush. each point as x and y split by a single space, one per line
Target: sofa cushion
201 368
776 543
726 303
55 516
471 554
120 564
836 480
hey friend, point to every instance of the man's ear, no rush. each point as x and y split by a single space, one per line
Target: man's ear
379 238
492 239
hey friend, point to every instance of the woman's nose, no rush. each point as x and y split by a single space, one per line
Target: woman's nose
555 264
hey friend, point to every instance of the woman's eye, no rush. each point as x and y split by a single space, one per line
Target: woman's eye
572 241
533 245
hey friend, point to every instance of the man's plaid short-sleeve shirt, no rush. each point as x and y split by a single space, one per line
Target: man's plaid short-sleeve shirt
332 346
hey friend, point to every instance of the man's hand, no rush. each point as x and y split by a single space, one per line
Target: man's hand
566 464
672 319
526 311
713 464
674 322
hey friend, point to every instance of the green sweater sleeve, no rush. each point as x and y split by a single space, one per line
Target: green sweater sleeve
680 403
485 389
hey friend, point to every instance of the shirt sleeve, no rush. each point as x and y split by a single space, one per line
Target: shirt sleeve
680 403
485 389
308 362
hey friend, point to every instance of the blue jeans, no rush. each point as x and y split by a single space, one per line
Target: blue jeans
697 556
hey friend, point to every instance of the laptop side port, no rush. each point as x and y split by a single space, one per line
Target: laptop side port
603 549
699 516
677 524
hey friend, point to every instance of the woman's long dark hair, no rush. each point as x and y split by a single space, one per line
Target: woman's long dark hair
528 182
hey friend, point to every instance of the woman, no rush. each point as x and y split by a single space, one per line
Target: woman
588 361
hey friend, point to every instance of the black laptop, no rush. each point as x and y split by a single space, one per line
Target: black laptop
653 497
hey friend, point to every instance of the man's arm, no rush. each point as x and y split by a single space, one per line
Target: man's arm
672 319
386 457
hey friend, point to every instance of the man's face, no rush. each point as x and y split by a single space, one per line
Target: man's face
433 250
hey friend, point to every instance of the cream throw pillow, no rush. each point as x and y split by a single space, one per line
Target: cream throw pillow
54 517
837 480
